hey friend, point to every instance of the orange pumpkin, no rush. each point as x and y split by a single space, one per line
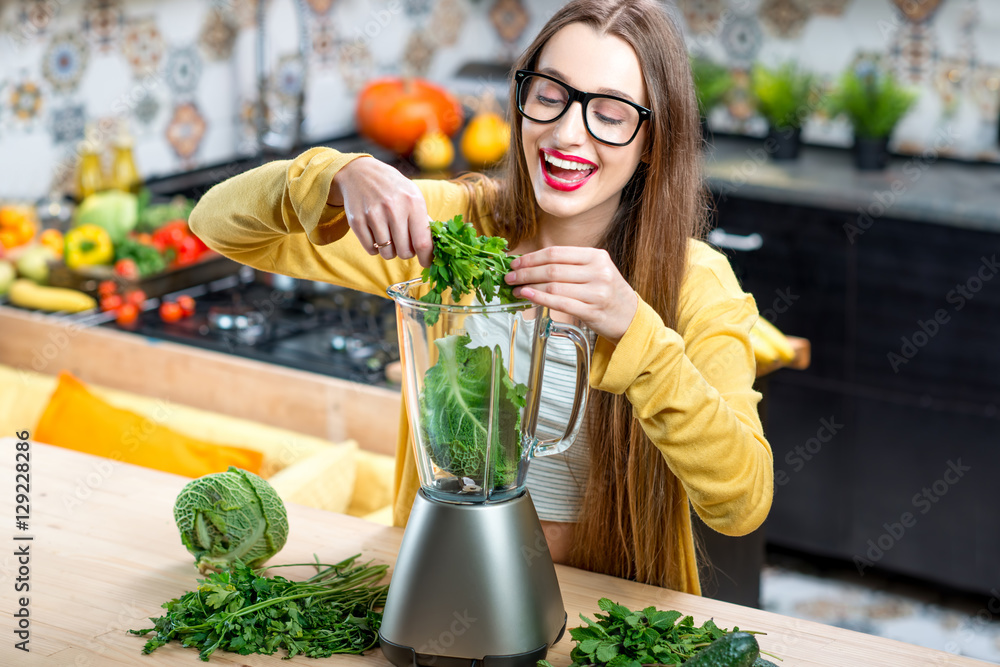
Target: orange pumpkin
395 112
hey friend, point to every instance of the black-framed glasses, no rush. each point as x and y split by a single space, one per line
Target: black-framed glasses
609 119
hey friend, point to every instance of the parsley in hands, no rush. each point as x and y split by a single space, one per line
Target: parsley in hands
466 263
240 611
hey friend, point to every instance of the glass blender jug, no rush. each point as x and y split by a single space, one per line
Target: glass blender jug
472 380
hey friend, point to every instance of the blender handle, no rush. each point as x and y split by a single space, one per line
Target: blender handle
579 409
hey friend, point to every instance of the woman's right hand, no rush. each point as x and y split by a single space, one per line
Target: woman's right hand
383 205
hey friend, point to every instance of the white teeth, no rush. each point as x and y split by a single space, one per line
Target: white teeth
566 164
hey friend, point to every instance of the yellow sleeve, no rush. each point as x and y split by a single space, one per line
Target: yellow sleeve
693 393
275 218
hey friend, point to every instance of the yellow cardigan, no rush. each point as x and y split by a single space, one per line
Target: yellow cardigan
692 389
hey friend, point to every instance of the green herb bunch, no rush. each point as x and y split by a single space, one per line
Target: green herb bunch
626 638
243 612
783 94
873 101
711 81
466 263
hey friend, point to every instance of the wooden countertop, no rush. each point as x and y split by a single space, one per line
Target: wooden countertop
105 554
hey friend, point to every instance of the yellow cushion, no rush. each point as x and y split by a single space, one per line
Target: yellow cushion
325 480
373 484
76 419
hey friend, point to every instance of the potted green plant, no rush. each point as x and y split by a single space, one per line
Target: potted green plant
874 102
711 83
784 96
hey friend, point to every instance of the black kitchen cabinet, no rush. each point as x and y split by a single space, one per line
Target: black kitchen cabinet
902 394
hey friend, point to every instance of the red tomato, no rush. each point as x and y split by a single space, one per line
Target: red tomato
111 302
127 314
188 251
187 305
136 297
127 269
170 311
107 288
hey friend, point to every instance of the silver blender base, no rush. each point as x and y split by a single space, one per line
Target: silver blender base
472 584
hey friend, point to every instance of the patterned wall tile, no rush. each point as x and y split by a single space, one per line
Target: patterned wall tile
419 52
320 7
742 38
103 22
828 7
288 78
218 34
65 61
509 19
417 8
784 18
183 70
702 16
986 92
186 130
25 101
357 64
325 41
32 20
67 124
142 45
448 18
146 108
950 79
913 52
917 10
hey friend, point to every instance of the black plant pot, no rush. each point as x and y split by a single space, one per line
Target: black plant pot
871 153
783 143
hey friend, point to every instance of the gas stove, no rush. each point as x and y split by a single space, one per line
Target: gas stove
315 327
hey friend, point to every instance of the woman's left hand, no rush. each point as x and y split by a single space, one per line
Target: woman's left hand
579 281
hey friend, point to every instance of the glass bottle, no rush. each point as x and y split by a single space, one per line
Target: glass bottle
89 173
124 174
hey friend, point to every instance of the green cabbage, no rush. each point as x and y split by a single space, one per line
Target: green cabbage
456 407
230 515
117 212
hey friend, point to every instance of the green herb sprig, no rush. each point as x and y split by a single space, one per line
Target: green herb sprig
466 263
241 611
626 638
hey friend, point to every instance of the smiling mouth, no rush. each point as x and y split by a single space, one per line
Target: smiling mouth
563 174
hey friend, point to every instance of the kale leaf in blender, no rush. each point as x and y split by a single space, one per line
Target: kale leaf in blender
463 392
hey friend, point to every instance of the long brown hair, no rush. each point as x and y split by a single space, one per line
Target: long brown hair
634 509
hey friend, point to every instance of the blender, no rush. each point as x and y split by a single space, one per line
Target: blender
473 581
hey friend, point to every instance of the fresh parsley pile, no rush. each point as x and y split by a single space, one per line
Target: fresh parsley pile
466 263
625 638
241 611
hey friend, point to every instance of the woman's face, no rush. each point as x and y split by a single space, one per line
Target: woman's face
593 63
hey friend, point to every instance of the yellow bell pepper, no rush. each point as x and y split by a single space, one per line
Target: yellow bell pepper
88 245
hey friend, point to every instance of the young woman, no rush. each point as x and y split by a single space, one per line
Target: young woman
601 195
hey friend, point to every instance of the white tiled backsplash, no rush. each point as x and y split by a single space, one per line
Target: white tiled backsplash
183 72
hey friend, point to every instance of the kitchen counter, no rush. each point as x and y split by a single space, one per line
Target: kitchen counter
104 555
911 188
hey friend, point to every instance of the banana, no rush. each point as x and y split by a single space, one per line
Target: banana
27 294
777 339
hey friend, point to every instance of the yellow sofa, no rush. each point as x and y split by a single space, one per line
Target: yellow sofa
339 477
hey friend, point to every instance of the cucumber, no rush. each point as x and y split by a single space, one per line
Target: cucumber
736 649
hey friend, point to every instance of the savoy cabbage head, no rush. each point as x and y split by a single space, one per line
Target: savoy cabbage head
463 393
230 515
